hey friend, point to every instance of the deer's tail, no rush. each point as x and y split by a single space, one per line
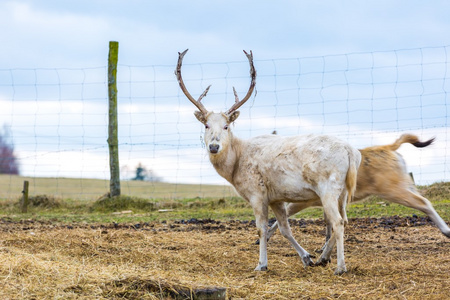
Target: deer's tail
409 138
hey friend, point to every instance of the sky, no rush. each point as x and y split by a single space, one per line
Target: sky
53 57
76 33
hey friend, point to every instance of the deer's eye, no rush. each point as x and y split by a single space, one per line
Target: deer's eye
225 127
206 126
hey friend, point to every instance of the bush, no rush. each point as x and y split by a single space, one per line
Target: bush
436 191
8 161
44 201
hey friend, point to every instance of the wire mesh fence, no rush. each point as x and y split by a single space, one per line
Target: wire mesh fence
57 118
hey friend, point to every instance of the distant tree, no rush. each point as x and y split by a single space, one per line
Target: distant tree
141 173
8 160
148 175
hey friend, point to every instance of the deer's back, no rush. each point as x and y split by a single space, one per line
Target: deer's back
291 168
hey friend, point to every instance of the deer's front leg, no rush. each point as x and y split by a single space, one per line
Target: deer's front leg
260 210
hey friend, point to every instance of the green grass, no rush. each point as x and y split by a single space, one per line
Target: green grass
378 207
139 204
129 209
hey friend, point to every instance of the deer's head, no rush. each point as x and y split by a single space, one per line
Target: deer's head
217 125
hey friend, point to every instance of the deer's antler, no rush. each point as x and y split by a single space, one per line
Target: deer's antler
238 103
197 103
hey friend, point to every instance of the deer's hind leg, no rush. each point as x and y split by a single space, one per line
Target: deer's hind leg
279 210
332 210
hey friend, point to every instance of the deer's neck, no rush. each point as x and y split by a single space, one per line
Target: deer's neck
227 161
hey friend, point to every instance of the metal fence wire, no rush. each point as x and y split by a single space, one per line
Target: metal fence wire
57 118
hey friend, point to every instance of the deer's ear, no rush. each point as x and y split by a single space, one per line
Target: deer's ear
200 116
233 116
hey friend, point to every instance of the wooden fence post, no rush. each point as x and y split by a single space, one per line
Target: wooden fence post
113 141
25 197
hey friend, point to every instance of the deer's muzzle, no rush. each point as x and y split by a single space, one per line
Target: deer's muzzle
214 148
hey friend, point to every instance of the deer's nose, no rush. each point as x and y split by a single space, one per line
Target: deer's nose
213 148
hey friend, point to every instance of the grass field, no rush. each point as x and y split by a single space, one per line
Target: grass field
91 189
48 202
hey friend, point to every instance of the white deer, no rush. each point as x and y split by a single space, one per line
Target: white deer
269 170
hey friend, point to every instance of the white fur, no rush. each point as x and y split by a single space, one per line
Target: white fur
270 170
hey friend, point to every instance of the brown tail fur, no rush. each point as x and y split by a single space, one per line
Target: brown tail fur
350 182
409 138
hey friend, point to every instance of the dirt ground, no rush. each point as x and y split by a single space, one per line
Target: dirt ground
394 258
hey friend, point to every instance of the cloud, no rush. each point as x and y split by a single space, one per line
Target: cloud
72 164
39 37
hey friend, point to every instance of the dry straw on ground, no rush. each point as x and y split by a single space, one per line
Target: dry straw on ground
400 258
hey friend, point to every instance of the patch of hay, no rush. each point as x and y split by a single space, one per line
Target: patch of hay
136 288
386 259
